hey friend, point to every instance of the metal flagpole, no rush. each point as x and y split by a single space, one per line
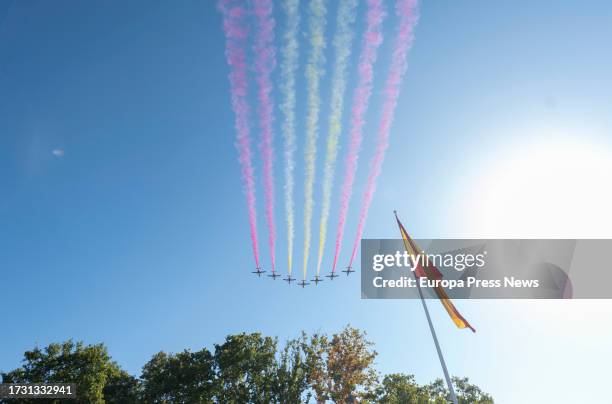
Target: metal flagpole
449 383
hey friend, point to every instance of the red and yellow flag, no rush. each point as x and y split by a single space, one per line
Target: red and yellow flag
425 269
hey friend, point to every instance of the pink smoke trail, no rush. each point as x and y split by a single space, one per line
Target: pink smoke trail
236 33
372 38
265 61
407 12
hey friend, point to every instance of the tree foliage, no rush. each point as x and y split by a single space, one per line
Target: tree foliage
292 376
187 377
340 368
468 393
397 388
98 379
245 368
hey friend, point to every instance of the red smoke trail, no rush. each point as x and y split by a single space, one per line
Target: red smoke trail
406 10
236 33
265 61
371 41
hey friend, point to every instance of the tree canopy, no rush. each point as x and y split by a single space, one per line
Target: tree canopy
245 368
98 378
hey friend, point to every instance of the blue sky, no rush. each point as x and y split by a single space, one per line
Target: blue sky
138 237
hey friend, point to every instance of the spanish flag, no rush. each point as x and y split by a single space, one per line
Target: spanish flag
428 270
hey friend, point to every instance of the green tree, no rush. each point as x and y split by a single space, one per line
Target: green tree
398 388
98 379
121 387
185 377
246 367
291 379
437 391
316 368
341 368
466 392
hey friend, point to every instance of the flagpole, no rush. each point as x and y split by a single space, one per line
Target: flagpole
449 383
435 338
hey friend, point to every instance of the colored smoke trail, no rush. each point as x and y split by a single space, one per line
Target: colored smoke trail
236 33
407 12
265 61
314 71
288 67
372 38
342 48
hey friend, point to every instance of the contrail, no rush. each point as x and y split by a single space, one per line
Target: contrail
265 61
314 71
288 67
407 12
236 33
342 47
372 38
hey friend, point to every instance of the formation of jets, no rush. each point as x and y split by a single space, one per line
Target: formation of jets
259 271
317 279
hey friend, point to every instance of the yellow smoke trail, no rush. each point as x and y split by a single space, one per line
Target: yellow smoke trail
342 48
288 67
314 71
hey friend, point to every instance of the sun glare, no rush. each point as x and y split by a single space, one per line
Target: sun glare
546 188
